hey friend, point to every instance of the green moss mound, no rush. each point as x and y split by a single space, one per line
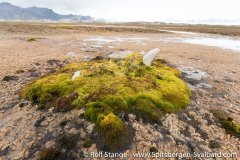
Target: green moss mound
227 122
231 127
114 134
111 87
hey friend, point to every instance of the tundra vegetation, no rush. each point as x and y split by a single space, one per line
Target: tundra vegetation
108 89
31 39
227 122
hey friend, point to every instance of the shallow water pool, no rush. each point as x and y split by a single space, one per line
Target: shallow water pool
226 43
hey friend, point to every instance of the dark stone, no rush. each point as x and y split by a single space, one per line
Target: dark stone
99 58
66 61
64 123
179 142
93 135
82 154
214 144
53 62
191 81
153 150
87 143
23 104
39 121
81 116
20 71
5 151
156 126
37 64
10 78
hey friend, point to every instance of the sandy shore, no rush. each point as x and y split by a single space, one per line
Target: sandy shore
221 83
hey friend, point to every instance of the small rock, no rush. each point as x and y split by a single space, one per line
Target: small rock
51 110
23 103
149 57
53 62
98 58
4 151
39 121
20 71
73 131
10 78
37 64
90 128
131 117
93 135
153 150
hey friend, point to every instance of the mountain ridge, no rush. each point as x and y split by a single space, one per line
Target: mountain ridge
13 12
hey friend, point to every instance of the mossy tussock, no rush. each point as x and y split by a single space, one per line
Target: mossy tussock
227 122
107 88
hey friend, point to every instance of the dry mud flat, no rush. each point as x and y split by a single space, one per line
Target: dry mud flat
212 73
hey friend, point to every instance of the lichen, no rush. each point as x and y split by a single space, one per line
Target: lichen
108 88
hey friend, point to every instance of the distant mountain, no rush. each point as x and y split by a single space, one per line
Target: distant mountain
11 12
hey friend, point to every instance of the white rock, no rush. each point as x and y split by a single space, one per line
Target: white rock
149 57
76 74
90 128
131 117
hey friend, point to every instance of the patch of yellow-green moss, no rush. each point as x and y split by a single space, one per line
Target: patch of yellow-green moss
231 127
227 122
113 132
112 86
108 88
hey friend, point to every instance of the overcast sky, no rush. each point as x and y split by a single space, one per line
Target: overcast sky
141 10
